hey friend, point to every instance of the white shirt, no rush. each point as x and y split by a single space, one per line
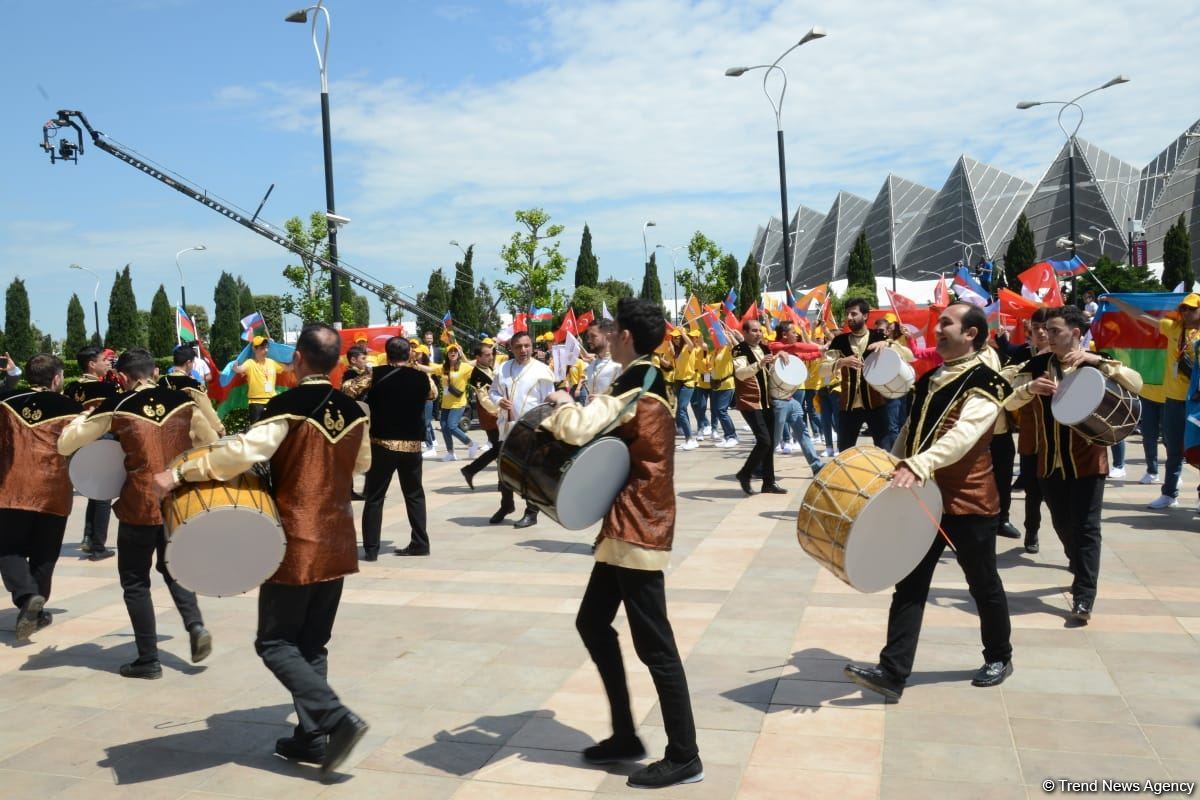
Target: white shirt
600 374
527 386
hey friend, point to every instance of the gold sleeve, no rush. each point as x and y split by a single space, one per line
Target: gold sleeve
363 462
1021 395
234 457
578 425
1128 378
206 408
903 350
202 431
355 388
84 429
743 369
977 418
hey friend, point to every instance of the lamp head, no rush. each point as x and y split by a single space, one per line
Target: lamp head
454 243
736 72
1024 104
1116 80
650 224
199 247
297 16
815 32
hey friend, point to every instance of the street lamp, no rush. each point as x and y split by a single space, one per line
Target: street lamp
95 296
455 243
1065 104
645 248
182 290
335 291
674 273
1100 235
777 106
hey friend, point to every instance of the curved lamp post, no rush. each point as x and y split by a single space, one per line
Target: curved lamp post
95 296
182 290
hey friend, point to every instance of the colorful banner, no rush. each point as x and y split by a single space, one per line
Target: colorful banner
1138 346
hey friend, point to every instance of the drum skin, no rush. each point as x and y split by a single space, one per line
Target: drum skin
223 538
574 486
98 469
1096 407
888 373
857 525
793 373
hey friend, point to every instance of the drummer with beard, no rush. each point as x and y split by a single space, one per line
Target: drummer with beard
315 439
1070 469
179 377
751 370
154 425
634 548
480 381
860 403
946 439
90 390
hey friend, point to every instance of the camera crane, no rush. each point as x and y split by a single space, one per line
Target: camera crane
67 150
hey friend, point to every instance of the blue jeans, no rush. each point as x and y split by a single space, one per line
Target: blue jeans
789 415
1174 417
895 420
810 411
450 418
721 400
683 395
1118 455
829 415
700 407
1151 425
429 440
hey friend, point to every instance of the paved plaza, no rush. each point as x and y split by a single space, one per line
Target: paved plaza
467 666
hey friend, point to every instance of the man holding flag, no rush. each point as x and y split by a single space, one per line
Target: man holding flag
261 376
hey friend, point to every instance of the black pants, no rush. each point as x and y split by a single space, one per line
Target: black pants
1003 452
95 522
29 545
486 457
137 546
974 538
851 422
645 599
254 411
385 463
294 625
1075 513
763 453
1033 497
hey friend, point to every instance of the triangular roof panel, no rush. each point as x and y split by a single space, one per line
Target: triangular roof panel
831 247
1180 196
893 220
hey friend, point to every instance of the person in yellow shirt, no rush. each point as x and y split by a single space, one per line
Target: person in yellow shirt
702 393
684 379
261 373
453 375
721 388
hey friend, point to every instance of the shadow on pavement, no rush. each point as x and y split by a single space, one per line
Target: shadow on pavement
92 656
556 546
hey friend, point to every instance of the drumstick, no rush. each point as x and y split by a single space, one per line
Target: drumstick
935 522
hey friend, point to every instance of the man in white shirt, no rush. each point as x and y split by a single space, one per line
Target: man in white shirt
601 369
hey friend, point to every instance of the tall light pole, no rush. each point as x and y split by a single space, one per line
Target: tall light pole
95 297
674 274
645 248
968 249
1064 105
777 106
335 289
182 290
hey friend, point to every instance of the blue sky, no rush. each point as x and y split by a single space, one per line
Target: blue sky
449 116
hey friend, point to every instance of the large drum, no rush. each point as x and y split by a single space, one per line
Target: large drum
98 469
575 486
1096 407
792 373
888 373
861 528
222 538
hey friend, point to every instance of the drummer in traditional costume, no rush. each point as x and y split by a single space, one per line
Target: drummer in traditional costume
751 365
1070 469
153 425
315 439
90 391
633 549
859 402
521 384
480 382
35 489
179 377
946 439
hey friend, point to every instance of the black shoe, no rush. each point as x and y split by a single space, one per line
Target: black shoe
527 521
1019 484
148 670
342 739
85 546
370 555
353 496
875 679
773 488
1008 531
308 751
410 551
499 516
662 774
745 484
613 750
993 673
1032 547
44 620
27 617
100 553
201 643
1081 611
469 477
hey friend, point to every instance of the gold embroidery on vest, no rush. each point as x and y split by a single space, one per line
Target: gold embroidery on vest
332 422
154 412
31 416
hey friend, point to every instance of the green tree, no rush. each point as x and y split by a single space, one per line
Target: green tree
436 300
1020 255
310 298
391 306
45 343
729 266
225 340
651 288
463 308
615 289
587 268
708 277
162 324
534 266
77 335
1118 278
1177 257
595 298
751 285
489 316
868 292
271 307
124 325
199 315
360 308
246 305
18 332
861 270
143 318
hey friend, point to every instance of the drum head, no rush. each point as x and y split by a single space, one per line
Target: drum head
793 373
882 366
1078 395
597 474
225 551
98 470
890 536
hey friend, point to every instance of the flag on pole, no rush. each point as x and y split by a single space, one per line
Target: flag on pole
1040 283
447 336
816 295
968 290
731 300
585 320
568 326
540 314
1139 347
185 329
751 312
941 293
604 311
1069 268
254 325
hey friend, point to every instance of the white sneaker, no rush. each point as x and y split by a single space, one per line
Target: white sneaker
1150 477
690 444
473 451
1163 501
730 443
746 428
787 448
429 454
1116 472
450 456
706 430
828 452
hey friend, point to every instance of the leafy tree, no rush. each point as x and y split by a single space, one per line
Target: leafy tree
651 288
436 300
1177 257
587 268
246 305
96 341
162 324
751 285
861 270
1021 253
535 266
865 291
143 318
310 298
46 343
615 289
271 307
391 309
225 338
124 325
1118 278
360 308
489 318
708 276
77 335
199 316
729 266
463 307
18 333
595 298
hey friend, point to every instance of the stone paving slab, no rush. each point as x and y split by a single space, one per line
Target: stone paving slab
469 670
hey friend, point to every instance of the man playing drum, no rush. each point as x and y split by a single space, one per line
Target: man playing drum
633 549
751 367
90 391
153 426
1070 469
315 439
482 376
860 403
946 439
179 377
789 411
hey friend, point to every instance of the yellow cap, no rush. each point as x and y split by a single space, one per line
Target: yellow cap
489 341
676 332
694 332
414 342
422 349
360 338
259 341
1191 301
890 317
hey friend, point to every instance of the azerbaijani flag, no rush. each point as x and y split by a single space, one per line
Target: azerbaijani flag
1069 268
1135 345
540 314
447 336
705 320
185 329
233 389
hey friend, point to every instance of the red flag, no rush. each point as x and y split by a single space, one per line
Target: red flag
216 392
941 293
519 323
1041 277
732 322
567 326
584 321
899 302
751 312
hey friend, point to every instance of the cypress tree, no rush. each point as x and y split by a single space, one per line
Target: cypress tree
463 307
751 285
271 306
436 300
861 270
199 315
18 333
162 324
729 270
225 340
587 268
362 310
77 335
1020 255
1177 257
246 305
124 326
651 288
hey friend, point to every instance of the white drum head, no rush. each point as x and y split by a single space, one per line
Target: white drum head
1078 395
98 470
793 373
597 474
225 551
890 536
882 366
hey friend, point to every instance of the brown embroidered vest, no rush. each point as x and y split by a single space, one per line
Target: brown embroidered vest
33 476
